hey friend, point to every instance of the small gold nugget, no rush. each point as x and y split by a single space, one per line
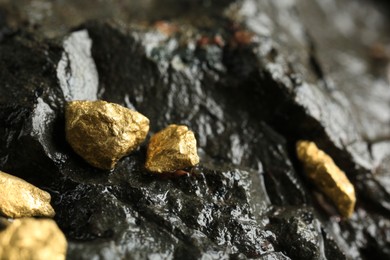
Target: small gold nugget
171 149
102 133
19 199
332 181
29 238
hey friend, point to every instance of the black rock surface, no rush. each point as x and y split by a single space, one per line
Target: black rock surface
250 78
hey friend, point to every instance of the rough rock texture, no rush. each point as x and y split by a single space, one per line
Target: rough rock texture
102 133
19 198
249 78
29 238
173 148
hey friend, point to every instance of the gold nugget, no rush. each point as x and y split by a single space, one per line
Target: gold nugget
30 238
102 133
332 181
171 149
19 199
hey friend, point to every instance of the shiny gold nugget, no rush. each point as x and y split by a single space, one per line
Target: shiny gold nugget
102 133
19 199
171 149
332 181
31 239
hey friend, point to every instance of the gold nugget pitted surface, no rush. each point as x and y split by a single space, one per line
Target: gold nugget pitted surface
321 169
32 239
19 198
102 133
171 149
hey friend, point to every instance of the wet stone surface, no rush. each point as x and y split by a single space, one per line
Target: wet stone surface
249 78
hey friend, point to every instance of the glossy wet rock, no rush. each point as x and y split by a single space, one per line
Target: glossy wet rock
102 133
192 212
20 199
250 78
29 238
173 148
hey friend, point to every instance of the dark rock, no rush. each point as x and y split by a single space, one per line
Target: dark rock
303 236
209 210
29 101
250 78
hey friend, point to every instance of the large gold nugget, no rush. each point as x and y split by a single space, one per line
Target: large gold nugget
332 181
32 239
19 199
102 133
171 149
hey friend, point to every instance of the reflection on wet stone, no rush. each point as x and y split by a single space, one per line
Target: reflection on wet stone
249 78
